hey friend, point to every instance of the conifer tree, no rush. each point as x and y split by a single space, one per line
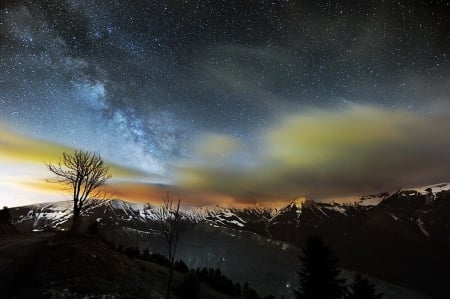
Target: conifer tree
319 274
362 288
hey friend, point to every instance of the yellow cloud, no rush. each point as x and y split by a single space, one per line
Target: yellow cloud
321 136
216 146
360 149
22 148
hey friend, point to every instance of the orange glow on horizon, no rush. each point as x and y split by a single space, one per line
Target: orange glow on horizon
25 179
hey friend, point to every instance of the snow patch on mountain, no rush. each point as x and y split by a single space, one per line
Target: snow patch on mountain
373 200
393 216
53 214
337 208
223 217
421 226
433 188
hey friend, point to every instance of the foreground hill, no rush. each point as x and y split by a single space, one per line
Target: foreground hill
62 265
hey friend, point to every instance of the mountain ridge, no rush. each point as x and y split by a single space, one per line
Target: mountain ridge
407 229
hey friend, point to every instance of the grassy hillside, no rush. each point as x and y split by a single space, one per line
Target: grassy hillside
62 265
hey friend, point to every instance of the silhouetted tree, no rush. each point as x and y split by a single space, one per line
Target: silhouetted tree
245 289
145 254
237 289
133 252
217 280
362 288
5 221
169 219
83 173
319 274
249 293
181 266
5 215
159 259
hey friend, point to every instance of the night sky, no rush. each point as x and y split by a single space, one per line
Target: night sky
252 100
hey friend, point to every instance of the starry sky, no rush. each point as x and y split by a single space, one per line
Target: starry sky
228 101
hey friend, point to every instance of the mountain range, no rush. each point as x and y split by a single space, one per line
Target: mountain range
400 239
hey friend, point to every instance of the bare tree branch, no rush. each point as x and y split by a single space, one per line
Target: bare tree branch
83 173
169 219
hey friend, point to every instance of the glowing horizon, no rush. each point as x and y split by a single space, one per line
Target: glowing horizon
358 151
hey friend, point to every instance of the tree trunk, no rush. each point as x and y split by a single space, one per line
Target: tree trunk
169 284
76 218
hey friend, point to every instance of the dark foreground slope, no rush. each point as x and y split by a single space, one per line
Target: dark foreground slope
62 265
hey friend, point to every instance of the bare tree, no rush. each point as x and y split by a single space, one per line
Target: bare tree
169 219
83 173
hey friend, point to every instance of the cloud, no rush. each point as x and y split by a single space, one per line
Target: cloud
32 151
153 193
141 192
214 146
320 153
23 173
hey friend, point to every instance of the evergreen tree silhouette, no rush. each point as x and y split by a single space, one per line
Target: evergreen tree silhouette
146 254
5 215
5 221
319 274
361 288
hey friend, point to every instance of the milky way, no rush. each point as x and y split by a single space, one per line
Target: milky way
139 80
